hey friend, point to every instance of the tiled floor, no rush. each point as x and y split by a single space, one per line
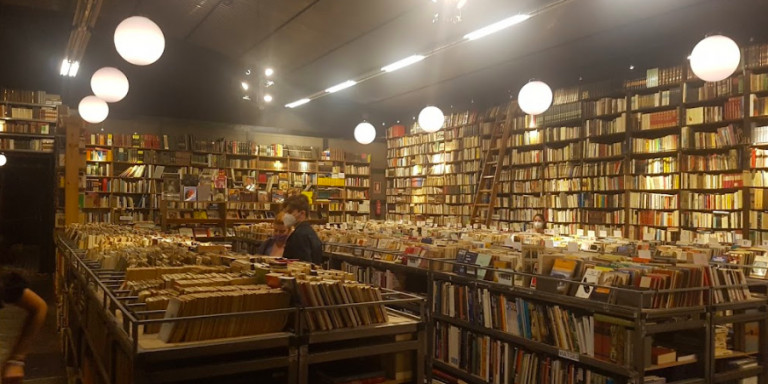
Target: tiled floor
44 362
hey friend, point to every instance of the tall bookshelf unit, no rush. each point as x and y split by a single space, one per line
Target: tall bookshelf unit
112 195
658 158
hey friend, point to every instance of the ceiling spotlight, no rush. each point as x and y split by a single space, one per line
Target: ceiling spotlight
297 103
247 72
268 98
69 68
269 83
246 98
631 67
269 72
65 64
244 85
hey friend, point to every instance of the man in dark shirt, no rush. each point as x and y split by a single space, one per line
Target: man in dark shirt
303 243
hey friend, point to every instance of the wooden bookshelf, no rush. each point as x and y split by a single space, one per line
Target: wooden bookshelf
108 156
663 134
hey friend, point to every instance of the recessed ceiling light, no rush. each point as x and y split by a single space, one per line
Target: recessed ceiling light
244 85
631 67
246 97
339 87
269 72
247 72
268 98
297 103
402 63
495 27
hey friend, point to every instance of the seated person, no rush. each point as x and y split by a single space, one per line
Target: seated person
303 243
275 245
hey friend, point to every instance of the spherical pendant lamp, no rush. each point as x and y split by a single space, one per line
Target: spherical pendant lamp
139 40
431 119
535 97
365 133
109 84
715 58
93 110
3 159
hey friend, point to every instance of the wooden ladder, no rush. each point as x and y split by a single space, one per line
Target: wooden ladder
487 187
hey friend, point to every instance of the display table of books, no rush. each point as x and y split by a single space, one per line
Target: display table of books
534 308
137 306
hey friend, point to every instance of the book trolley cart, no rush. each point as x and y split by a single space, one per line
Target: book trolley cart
102 333
632 307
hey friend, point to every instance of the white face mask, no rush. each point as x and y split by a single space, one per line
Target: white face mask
289 220
538 224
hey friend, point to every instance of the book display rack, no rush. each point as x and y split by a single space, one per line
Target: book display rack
663 157
124 180
131 324
542 309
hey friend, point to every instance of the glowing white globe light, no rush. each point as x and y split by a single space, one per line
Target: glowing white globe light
715 58
109 84
3 159
139 40
535 97
365 133
431 119
93 110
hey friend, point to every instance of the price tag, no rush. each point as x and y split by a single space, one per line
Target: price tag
454 236
580 232
685 236
484 227
745 243
737 237
644 254
603 234
573 246
617 233
550 232
413 262
574 356
505 278
477 226
647 236
591 234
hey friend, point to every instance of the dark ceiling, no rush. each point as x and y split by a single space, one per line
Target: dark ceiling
313 44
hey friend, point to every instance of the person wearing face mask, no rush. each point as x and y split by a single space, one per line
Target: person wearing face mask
538 223
303 243
275 245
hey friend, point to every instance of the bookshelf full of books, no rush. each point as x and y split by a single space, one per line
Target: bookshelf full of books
28 120
432 177
595 308
757 126
124 176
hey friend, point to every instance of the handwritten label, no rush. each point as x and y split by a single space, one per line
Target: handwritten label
574 356
644 254
549 232
413 262
745 243
617 233
591 234
573 246
700 259
737 236
603 234
579 232
647 236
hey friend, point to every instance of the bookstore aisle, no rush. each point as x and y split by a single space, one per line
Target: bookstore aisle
384 192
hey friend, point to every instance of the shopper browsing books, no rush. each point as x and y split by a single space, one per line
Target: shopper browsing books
275 245
13 290
538 223
303 243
